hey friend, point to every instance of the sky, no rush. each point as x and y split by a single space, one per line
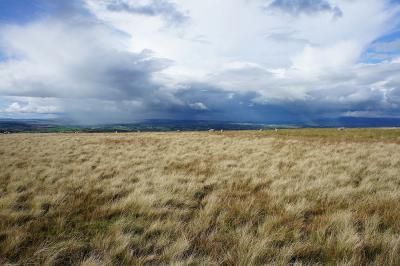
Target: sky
270 61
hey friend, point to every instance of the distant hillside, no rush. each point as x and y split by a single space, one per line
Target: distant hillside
359 122
158 125
148 125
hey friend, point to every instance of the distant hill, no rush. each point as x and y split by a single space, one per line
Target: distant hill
147 125
359 122
154 125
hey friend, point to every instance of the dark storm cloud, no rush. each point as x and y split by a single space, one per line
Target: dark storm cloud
85 66
309 7
87 63
164 8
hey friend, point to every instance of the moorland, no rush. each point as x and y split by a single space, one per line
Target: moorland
305 196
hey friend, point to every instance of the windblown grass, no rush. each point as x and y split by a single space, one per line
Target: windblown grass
286 197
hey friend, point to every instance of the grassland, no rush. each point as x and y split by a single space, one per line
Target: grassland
232 198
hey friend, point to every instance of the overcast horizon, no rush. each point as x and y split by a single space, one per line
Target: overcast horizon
289 61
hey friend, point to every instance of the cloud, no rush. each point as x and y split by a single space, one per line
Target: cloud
285 37
84 64
308 7
87 61
163 8
16 107
198 106
319 59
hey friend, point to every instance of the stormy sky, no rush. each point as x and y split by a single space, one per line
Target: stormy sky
96 61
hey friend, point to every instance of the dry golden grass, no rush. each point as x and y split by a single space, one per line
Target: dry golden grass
243 198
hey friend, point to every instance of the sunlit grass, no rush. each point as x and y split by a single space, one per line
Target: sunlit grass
306 195
345 133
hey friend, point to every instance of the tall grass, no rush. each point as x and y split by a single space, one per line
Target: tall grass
285 197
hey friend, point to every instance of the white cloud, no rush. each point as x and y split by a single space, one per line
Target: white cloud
198 106
31 105
29 108
243 34
316 60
